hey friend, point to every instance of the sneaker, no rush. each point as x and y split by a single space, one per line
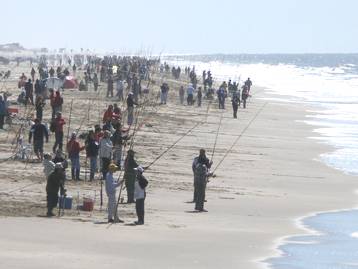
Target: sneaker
110 221
138 223
50 214
203 210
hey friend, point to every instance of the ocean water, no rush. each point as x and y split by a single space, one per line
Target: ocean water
329 83
332 244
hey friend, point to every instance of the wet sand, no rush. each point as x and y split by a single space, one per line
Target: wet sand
270 178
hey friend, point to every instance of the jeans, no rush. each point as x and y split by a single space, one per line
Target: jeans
58 141
117 155
93 166
75 167
111 205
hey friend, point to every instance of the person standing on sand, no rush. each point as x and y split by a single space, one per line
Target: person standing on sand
92 152
204 160
139 194
95 82
129 175
130 108
181 94
248 83
73 149
199 96
110 87
111 186
244 95
190 93
105 152
55 183
235 104
38 131
201 174
58 124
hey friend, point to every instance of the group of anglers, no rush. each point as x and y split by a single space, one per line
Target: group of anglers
105 146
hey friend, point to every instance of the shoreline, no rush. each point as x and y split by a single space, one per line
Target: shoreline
299 222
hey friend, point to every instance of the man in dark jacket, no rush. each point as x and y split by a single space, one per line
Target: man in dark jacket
130 108
92 152
203 160
129 175
29 91
55 182
38 131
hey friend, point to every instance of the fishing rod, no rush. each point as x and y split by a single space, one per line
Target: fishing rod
217 135
239 136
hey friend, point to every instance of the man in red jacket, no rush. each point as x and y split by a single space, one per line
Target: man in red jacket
107 116
73 149
58 124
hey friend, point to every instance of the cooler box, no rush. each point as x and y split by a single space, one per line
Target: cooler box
67 203
87 204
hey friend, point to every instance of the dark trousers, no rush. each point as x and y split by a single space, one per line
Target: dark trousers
200 194
195 193
105 164
139 207
129 182
244 102
39 113
2 120
52 199
235 108
58 141
190 99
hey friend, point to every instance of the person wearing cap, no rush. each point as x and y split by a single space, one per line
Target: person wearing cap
38 131
58 124
129 175
130 108
105 152
55 183
73 149
139 194
111 186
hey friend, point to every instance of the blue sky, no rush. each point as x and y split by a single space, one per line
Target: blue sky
184 26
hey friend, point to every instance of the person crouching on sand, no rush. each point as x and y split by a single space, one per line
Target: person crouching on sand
111 186
55 183
139 194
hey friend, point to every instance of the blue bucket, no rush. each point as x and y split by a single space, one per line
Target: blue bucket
67 203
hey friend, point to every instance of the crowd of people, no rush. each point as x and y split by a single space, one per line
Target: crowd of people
105 144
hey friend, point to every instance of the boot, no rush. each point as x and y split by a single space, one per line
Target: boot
73 173
91 176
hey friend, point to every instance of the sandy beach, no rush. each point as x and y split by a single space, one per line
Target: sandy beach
271 177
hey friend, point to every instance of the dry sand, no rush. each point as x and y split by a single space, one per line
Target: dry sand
270 178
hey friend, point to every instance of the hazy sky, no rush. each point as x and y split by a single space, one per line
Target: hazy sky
183 26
